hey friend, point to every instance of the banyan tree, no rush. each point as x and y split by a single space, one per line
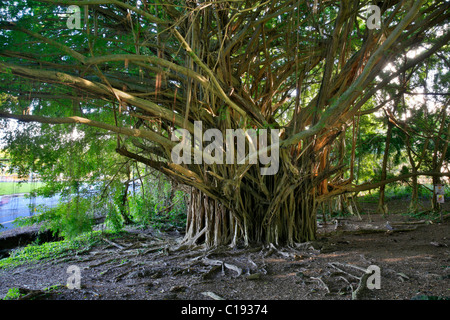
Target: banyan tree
297 73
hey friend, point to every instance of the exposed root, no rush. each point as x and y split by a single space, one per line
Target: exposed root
212 295
344 265
29 294
357 294
322 283
113 244
223 264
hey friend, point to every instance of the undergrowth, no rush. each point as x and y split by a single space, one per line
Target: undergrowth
53 250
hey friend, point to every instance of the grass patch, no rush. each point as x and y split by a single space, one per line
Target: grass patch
12 294
7 188
59 249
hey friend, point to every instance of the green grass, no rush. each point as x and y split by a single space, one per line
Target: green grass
12 294
58 249
7 188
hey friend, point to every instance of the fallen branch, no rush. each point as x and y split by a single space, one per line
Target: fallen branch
273 249
115 267
304 246
348 282
30 294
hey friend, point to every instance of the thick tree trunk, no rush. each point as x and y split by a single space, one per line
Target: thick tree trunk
279 209
212 223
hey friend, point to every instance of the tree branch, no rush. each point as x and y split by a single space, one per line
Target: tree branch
146 134
97 88
364 187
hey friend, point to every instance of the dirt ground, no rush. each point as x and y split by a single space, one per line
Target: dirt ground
414 260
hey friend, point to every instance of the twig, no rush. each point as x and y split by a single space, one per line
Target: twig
273 249
253 263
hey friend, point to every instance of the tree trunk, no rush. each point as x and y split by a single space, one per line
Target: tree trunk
382 207
212 223
415 165
123 205
414 204
439 152
279 209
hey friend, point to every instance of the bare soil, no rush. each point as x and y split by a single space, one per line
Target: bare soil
414 259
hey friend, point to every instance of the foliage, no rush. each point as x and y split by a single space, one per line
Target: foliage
12 294
68 219
155 214
159 207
